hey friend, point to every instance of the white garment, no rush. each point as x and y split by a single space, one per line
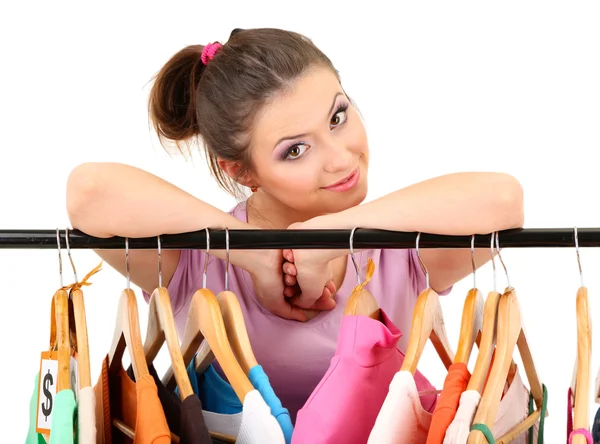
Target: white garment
402 419
86 416
513 409
254 425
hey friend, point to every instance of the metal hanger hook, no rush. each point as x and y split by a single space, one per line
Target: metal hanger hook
59 258
127 276
493 258
69 253
206 259
421 261
501 260
226 259
473 261
576 235
353 257
159 262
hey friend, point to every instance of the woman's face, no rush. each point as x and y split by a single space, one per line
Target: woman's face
309 147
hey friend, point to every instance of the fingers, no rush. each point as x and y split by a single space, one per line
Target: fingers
288 255
289 311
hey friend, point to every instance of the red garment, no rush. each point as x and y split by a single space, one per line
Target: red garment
454 385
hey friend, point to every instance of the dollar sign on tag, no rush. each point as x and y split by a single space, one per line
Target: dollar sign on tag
47 403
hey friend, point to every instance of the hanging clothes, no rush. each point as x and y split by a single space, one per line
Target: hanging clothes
184 418
218 396
402 418
596 427
251 422
345 404
64 412
513 409
86 416
135 403
34 437
299 357
455 384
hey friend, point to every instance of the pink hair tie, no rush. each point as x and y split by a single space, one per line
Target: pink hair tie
209 52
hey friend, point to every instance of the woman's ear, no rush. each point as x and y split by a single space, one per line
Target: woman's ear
233 168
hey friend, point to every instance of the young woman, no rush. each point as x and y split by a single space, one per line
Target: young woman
273 116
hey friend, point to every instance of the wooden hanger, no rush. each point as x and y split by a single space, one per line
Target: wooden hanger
361 302
205 322
510 334
470 326
127 336
427 324
487 342
580 386
60 338
161 327
235 326
581 383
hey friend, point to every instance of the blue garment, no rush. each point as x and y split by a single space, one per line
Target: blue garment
260 381
218 396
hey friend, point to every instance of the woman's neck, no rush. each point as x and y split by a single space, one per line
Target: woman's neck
263 211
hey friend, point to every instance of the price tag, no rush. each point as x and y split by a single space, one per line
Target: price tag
48 379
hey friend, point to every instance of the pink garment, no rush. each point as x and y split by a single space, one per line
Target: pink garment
296 355
402 418
344 406
513 409
570 431
584 432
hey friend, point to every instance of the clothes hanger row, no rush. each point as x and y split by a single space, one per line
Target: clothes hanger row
215 322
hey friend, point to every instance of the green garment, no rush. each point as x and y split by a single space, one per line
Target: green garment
63 418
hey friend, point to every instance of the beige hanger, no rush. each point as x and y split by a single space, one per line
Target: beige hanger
205 322
427 324
361 302
161 328
580 385
487 343
127 336
472 318
510 334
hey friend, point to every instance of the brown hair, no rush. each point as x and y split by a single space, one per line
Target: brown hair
219 101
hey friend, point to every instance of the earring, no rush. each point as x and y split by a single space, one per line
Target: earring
254 189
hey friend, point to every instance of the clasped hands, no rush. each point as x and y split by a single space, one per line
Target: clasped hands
295 284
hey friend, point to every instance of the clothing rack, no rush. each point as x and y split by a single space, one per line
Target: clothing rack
364 238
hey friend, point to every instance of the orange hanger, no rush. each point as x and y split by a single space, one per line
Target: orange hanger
235 325
79 330
472 318
361 302
427 324
510 334
581 371
161 328
205 322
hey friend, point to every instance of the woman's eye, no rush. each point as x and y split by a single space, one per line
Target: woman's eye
296 151
339 118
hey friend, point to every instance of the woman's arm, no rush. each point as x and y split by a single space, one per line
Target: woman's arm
454 204
112 199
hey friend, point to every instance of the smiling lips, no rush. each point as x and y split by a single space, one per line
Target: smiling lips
347 183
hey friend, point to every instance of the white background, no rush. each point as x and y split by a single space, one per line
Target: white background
444 87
